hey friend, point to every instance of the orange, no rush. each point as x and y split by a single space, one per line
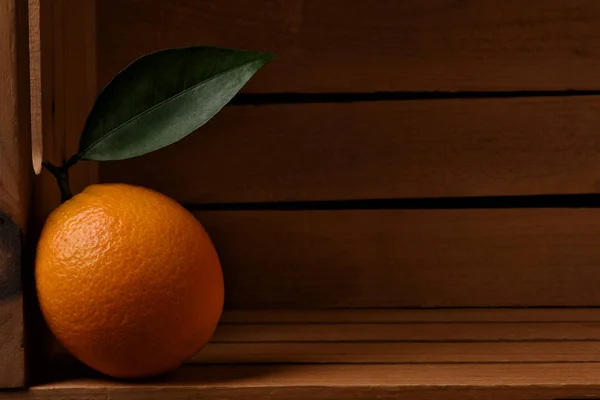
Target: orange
128 280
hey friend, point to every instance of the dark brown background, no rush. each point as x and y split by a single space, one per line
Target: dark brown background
387 99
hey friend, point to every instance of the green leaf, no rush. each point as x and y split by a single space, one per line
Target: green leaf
163 97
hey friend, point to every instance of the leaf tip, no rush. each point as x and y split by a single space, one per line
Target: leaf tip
268 57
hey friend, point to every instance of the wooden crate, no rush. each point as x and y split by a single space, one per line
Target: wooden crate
404 202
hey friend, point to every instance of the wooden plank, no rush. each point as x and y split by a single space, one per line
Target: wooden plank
396 352
15 167
443 332
14 120
12 356
383 325
329 382
433 339
408 258
410 316
477 147
386 45
40 89
495 369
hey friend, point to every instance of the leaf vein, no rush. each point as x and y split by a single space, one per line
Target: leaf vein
172 98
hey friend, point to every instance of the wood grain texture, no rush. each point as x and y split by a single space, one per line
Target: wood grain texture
408 325
394 352
478 147
414 336
38 83
499 367
386 45
330 382
410 316
454 332
12 356
63 77
15 159
408 258
76 80
15 168
67 62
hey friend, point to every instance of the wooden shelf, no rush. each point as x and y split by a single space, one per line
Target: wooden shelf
484 381
362 354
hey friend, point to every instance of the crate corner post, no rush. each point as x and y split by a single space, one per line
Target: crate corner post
15 171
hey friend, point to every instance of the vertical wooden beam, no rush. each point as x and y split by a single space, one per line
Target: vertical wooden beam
15 169
40 78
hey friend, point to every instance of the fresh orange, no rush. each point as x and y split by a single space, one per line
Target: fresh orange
128 280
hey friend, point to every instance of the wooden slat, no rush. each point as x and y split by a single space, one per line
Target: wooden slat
465 332
15 167
380 150
410 316
12 356
15 159
368 46
40 88
448 369
378 352
408 258
302 382
434 339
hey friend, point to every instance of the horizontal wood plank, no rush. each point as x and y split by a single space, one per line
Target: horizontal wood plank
329 382
406 336
394 352
433 338
478 147
453 332
408 258
410 316
441 370
386 45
